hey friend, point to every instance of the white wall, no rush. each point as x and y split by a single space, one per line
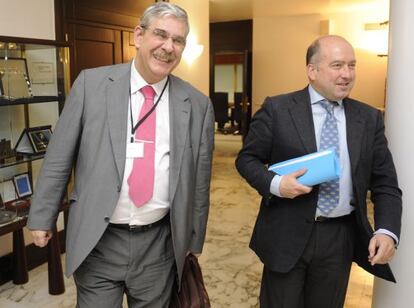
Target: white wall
27 18
228 78
280 43
279 47
399 127
197 72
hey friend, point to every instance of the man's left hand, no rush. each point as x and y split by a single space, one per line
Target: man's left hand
381 249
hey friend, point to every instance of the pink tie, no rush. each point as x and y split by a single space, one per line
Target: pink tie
141 179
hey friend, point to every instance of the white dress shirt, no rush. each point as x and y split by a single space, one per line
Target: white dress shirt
156 208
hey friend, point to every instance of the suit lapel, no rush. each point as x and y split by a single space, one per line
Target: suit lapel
301 113
180 111
354 132
117 93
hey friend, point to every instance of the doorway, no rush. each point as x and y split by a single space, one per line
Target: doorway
232 92
231 75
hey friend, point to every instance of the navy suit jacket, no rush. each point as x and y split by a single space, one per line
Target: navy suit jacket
283 129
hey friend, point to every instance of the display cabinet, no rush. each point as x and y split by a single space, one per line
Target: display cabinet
34 81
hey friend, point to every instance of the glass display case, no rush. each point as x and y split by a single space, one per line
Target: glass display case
34 80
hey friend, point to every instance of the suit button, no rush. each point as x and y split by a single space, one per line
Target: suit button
106 219
118 188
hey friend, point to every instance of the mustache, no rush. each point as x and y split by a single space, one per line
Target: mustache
164 56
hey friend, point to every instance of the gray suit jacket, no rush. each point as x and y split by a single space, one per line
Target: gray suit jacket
92 132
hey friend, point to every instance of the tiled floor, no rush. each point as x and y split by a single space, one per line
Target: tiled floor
231 270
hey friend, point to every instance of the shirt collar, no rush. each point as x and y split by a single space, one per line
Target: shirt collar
137 81
315 97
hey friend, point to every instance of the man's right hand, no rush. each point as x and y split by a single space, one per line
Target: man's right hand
291 188
41 238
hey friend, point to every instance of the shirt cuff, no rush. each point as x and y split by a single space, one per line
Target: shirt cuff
389 233
275 185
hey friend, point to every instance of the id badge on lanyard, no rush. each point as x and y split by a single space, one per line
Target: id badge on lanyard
135 150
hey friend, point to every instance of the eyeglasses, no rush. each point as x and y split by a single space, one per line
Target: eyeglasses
163 36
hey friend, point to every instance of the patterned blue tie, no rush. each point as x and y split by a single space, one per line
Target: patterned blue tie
328 197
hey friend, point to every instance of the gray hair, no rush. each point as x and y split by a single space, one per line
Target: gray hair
161 9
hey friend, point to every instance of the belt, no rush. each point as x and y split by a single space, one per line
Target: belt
141 228
334 219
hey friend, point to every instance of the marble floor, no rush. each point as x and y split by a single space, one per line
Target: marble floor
231 271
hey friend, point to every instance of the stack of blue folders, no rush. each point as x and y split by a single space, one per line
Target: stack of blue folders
322 167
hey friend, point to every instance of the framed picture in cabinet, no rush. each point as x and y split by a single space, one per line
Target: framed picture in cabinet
40 138
22 184
34 140
15 82
8 191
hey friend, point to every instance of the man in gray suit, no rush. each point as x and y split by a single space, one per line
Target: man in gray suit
142 140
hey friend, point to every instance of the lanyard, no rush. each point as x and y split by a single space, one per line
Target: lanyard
134 128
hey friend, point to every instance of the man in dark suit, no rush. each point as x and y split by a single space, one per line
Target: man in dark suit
142 140
307 246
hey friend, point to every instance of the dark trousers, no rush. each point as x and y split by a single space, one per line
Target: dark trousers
138 264
320 278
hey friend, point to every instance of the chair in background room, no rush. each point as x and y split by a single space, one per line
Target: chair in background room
221 107
237 112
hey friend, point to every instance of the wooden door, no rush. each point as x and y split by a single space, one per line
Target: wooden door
93 47
128 46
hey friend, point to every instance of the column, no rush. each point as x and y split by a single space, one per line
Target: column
399 121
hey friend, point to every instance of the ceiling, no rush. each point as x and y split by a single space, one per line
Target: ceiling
228 10
124 7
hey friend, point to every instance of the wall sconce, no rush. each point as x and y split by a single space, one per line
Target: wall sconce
378 37
192 50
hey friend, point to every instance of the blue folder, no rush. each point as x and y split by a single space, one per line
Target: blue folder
322 167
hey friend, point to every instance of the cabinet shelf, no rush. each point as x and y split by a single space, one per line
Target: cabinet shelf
21 160
30 100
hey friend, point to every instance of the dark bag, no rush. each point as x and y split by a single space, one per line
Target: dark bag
193 293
